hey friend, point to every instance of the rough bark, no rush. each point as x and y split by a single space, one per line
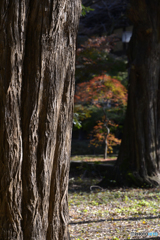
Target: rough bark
140 150
37 52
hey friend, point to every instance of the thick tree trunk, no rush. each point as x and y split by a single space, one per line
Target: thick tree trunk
37 52
140 150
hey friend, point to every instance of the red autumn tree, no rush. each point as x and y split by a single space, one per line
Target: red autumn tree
101 133
106 93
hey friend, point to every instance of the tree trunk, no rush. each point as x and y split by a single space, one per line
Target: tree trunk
140 150
105 147
37 52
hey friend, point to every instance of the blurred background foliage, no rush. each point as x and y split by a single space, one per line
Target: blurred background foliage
95 58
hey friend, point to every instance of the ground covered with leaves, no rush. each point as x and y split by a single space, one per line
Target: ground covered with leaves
119 213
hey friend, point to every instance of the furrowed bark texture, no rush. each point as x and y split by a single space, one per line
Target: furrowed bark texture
37 51
140 149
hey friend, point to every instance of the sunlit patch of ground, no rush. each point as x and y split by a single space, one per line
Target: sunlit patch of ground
112 213
91 158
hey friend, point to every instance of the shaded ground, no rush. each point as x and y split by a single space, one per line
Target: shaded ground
112 213
92 167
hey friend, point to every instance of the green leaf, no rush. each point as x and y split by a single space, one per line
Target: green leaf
85 10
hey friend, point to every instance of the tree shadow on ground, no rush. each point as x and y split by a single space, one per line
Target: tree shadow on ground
104 174
119 220
115 220
91 184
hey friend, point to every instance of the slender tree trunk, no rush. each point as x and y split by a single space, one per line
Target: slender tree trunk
37 52
106 147
140 150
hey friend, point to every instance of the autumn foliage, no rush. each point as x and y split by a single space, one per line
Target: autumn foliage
93 58
101 90
99 134
106 93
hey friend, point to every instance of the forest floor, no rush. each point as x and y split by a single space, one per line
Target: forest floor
112 213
